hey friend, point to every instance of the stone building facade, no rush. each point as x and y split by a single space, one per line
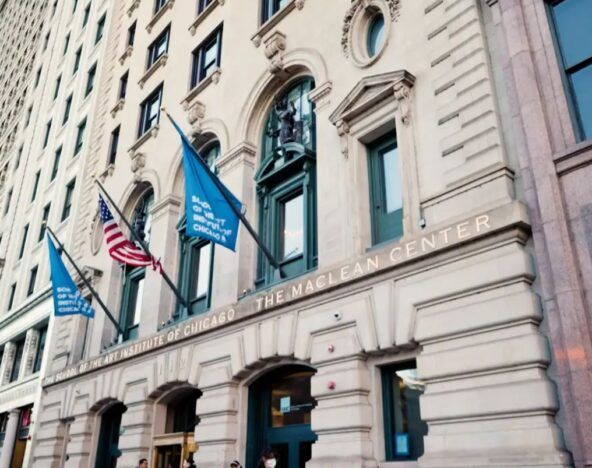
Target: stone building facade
48 52
398 195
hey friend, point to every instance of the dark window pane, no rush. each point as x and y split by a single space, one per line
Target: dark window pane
291 400
573 19
375 35
582 88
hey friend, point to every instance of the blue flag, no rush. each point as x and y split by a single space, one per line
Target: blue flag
209 214
66 297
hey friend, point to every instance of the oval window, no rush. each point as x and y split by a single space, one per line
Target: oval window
375 34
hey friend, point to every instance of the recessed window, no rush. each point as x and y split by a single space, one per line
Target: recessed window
77 58
207 57
86 15
158 4
11 296
28 118
386 195
375 34
572 26
150 111
58 83
66 43
46 41
271 7
18 359
56 163
8 201
74 6
23 241
159 47
68 199
67 108
32 280
44 219
131 34
100 29
403 428
90 80
37 77
40 348
35 185
202 5
19 155
80 137
123 85
113 145
47 133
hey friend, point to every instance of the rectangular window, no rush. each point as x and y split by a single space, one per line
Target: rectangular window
68 199
150 111
100 29
292 230
202 4
67 108
66 44
19 155
32 280
386 195
131 34
18 358
8 201
37 77
158 4
23 241
123 85
77 58
403 428
86 15
11 296
113 145
90 80
74 6
35 185
29 113
54 7
44 219
572 27
132 302
196 274
56 91
46 41
56 164
207 57
79 137
159 47
40 349
271 7
47 133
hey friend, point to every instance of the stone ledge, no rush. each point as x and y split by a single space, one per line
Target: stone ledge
574 157
126 53
203 15
274 20
214 77
135 4
117 107
151 133
159 14
160 62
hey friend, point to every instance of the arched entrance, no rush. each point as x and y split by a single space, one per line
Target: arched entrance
280 406
108 446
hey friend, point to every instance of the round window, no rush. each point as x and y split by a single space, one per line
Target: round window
375 38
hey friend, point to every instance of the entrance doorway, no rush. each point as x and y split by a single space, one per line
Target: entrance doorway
20 444
108 447
280 405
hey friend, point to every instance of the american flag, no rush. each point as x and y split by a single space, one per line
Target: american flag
120 248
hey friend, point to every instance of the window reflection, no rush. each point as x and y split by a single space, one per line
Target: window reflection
293 227
291 401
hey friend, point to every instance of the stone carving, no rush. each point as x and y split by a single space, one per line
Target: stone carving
275 45
30 351
195 114
403 96
138 163
342 131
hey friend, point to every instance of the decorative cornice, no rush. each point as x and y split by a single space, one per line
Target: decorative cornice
275 45
135 4
160 62
117 107
319 95
159 14
214 77
126 53
144 138
203 15
275 19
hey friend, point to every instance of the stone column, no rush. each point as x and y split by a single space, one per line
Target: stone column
7 362
78 450
216 433
159 301
9 438
135 440
342 418
29 352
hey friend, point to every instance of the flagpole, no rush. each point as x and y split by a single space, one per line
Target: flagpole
240 215
86 282
144 246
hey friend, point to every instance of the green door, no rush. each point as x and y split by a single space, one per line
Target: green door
386 197
108 450
280 406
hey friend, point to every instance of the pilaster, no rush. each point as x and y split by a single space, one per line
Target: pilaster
29 352
7 362
9 438
78 451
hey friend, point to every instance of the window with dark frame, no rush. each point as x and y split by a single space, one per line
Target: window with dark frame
18 359
46 41
571 19
56 91
29 113
150 111
86 15
37 77
32 280
90 80
35 185
80 137
66 43
403 427
202 5
158 47
40 349
270 8
56 164
8 201
23 241
19 155
67 108
123 85
11 296
44 219
77 58
131 34
68 199
207 57
100 28
158 4
47 133
113 145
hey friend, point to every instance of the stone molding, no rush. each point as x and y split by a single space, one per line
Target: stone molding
29 352
159 14
160 63
214 77
7 362
204 14
117 107
134 5
275 45
196 112
320 95
275 19
243 152
126 53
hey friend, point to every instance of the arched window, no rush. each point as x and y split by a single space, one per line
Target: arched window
196 256
108 445
133 278
286 184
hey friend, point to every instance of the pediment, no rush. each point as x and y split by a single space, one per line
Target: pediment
369 92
